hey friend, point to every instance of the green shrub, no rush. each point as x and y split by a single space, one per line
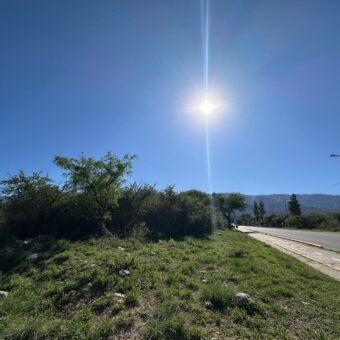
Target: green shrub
131 299
219 295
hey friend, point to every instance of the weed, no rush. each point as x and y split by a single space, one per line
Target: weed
220 296
238 253
123 323
131 299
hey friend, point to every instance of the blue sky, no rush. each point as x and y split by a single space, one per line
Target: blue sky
123 75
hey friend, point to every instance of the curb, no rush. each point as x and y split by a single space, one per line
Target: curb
295 240
291 239
309 258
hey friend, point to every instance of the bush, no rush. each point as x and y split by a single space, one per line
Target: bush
169 214
275 221
331 222
220 296
93 203
310 221
74 218
142 211
131 210
29 206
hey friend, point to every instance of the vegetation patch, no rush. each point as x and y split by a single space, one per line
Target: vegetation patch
76 291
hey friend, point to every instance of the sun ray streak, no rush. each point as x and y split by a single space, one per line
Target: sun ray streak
205 47
205 16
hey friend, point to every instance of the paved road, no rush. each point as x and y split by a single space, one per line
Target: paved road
326 261
329 240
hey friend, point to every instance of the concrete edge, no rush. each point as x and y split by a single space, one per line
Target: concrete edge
310 258
291 239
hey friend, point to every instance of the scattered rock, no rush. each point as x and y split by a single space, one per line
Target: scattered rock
203 271
90 284
92 265
153 253
32 257
121 248
305 303
204 281
26 242
124 272
120 295
208 304
242 300
3 294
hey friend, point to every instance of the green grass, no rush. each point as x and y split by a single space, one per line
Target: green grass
76 290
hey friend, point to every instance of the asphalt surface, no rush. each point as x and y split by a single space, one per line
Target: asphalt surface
329 240
321 259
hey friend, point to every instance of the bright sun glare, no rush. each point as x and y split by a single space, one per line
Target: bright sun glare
206 107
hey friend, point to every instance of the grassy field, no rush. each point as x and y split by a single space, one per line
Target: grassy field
130 290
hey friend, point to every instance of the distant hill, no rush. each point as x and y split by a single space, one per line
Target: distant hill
275 204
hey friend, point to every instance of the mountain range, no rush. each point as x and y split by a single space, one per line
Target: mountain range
277 203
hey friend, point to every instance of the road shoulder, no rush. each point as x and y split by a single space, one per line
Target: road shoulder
325 261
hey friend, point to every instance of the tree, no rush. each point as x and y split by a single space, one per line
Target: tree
262 212
256 212
101 180
228 205
29 202
294 206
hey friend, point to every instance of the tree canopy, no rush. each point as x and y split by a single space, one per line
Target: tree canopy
294 206
229 204
100 179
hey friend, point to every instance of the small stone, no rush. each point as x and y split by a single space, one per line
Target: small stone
242 300
121 248
208 304
203 271
120 295
305 303
153 253
3 293
92 265
90 284
204 281
124 272
32 257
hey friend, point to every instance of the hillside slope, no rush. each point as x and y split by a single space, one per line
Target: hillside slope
167 290
276 203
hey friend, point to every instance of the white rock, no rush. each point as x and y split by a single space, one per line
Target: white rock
2 293
204 281
90 284
124 272
120 295
208 304
32 257
121 248
242 300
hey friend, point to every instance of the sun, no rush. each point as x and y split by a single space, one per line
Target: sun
207 107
